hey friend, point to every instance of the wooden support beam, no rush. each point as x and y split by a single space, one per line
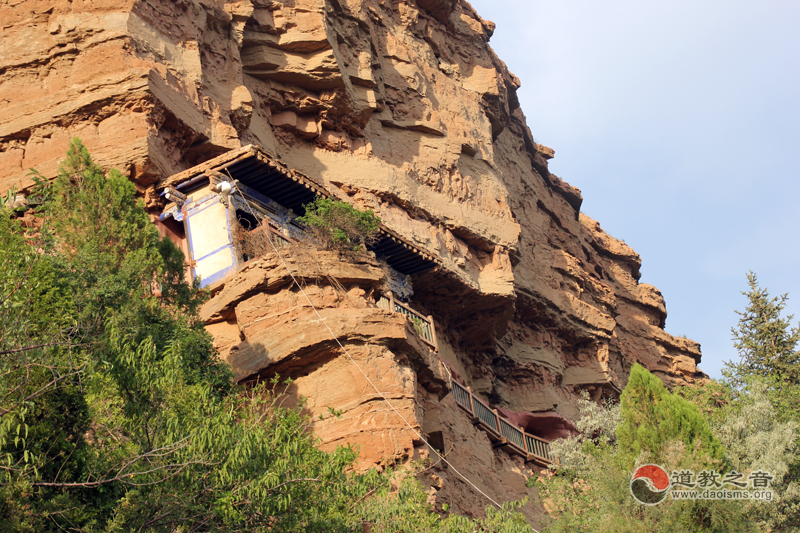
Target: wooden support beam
541 461
502 443
471 403
433 334
493 436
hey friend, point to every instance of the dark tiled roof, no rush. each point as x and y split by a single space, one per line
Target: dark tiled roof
260 172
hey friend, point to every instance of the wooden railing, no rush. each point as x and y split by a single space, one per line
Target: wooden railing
280 240
422 324
501 432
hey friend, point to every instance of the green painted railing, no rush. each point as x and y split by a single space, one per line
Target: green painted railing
422 324
485 414
501 431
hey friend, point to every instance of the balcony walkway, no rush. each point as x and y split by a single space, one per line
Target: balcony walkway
501 431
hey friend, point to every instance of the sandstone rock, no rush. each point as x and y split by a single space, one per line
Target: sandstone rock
268 273
401 107
313 70
241 108
272 327
439 9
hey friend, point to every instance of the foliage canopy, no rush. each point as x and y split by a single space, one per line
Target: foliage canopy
339 225
767 347
652 417
590 490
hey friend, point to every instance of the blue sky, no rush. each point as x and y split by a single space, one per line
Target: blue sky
680 123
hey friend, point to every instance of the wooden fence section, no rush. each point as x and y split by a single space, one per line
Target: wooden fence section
423 324
280 240
501 432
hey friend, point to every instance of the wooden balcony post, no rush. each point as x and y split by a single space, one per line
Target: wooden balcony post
433 334
471 404
497 422
391 302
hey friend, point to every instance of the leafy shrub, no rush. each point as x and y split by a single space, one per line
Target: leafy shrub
756 439
406 509
597 424
419 325
337 225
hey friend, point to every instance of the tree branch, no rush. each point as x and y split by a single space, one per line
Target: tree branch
298 480
45 345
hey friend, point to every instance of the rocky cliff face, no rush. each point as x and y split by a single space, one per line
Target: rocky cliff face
396 105
264 325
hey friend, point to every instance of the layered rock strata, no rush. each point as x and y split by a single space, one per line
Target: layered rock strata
273 318
396 105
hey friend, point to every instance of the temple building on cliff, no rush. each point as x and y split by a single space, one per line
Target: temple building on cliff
246 191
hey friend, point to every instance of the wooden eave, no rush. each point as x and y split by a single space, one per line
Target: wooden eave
252 167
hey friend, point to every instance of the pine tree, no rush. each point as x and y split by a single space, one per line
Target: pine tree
765 341
653 417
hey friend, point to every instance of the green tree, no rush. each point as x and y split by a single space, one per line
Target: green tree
768 368
590 488
95 260
756 439
765 340
652 417
339 225
767 347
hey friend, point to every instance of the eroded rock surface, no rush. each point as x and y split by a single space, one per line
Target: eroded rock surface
271 320
396 105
